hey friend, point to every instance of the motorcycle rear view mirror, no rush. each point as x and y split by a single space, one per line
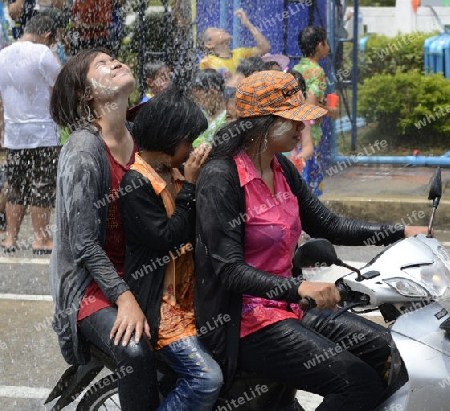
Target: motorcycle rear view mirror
319 252
315 252
434 194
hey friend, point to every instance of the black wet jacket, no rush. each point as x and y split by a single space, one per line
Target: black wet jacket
221 274
151 237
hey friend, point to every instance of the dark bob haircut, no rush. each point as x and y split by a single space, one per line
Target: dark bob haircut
166 120
152 68
309 38
208 79
251 65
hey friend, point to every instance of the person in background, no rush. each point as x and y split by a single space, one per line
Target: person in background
314 46
4 25
42 5
304 150
159 222
216 43
20 11
117 29
246 68
208 91
88 258
29 70
91 25
158 78
230 104
277 61
62 19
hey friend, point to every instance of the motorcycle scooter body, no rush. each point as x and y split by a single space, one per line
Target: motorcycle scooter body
421 265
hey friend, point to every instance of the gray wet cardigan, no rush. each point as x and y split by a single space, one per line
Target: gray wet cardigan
82 198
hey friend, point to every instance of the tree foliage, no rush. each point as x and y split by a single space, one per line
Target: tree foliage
407 103
390 55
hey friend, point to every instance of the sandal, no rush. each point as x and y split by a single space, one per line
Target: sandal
9 249
41 251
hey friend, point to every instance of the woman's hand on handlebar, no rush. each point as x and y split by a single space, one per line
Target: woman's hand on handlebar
130 318
326 295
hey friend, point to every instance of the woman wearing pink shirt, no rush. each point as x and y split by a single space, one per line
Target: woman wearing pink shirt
252 205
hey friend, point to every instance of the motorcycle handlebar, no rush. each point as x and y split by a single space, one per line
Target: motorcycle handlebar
344 291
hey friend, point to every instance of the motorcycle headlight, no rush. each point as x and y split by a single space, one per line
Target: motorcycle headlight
406 287
435 277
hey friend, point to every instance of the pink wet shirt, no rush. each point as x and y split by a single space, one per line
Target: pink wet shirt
272 228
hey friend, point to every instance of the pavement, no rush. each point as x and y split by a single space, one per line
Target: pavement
30 360
385 193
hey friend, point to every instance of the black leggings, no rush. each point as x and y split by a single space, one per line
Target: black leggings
136 367
344 362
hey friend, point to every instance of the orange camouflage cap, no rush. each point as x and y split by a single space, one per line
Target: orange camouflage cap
274 92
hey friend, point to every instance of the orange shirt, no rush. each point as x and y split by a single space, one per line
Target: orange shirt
177 305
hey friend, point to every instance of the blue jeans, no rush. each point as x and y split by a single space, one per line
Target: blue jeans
200 377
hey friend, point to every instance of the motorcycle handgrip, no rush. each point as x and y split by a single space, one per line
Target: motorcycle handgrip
306 303
344 291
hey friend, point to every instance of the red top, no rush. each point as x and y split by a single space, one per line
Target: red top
94 299
272 229
93 11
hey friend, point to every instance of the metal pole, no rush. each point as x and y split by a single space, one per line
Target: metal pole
285 27
355 74
142 46
166 28
417 161
311 13
236 25
331 28
223 14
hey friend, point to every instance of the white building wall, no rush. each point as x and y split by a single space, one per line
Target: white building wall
392 20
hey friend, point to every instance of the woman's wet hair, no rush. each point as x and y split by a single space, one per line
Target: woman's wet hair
239 134
208 79
166 120
69 102
309 38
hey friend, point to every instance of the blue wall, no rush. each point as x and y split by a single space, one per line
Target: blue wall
264 14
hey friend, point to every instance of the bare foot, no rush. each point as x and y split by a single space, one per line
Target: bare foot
43 245
8 243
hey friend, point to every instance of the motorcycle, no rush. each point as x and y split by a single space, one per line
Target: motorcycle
253 392
408 282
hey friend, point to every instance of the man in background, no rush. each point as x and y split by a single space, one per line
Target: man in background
216 43
31 137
